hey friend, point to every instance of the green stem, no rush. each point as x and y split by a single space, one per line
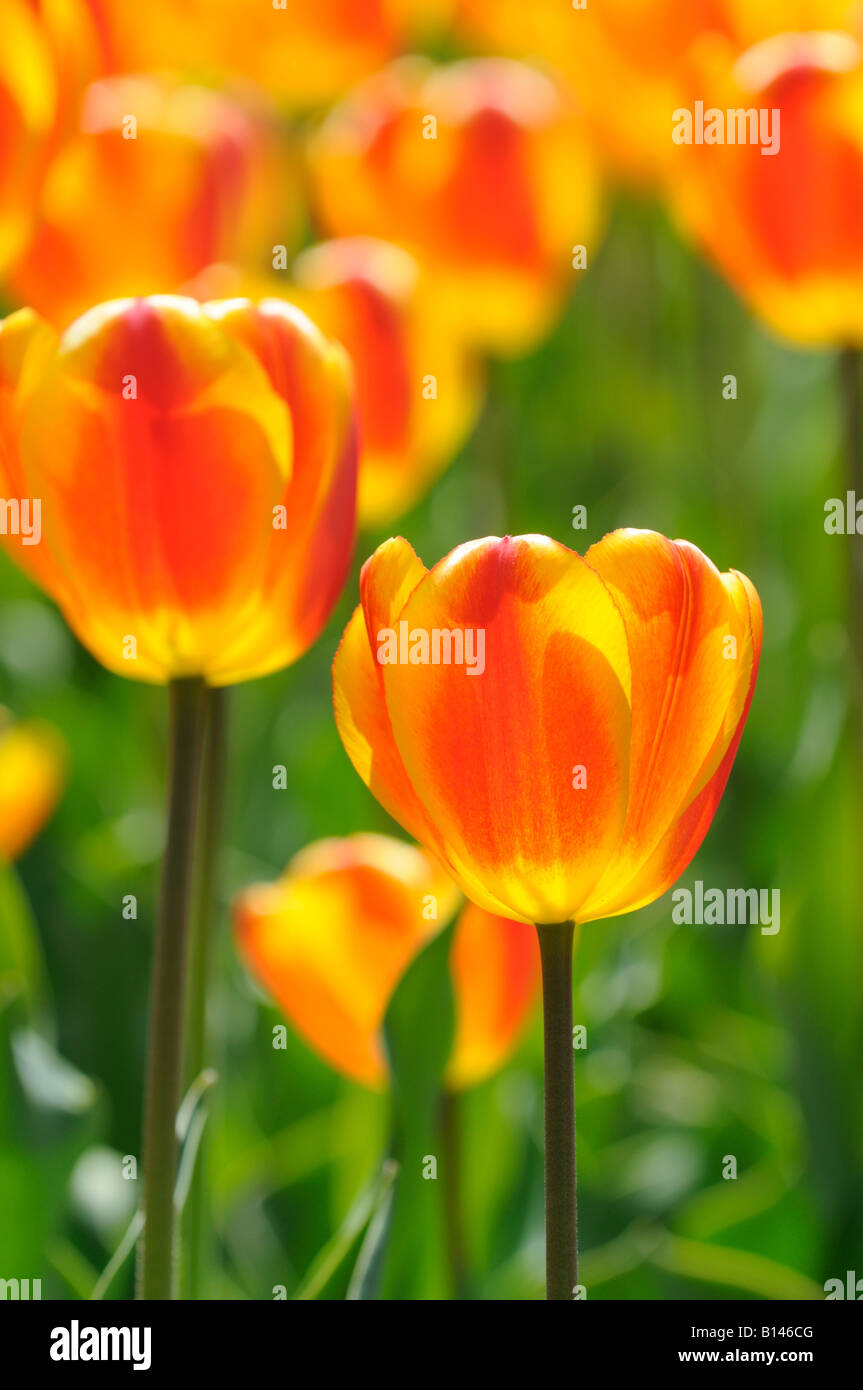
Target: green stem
212 804
561 1238
167 995
450 1132
852 409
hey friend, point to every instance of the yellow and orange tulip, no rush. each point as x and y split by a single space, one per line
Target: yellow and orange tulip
786 229
494 963
302 52
45 48
32 774
482 170
573 772
418 391
629 60
176 177
195 467
331 939
418 387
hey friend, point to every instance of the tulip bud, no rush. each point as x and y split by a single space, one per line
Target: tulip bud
196 472
628 60
574 772
778 213
45 51
302 52
481 169
176 177
332 938
417 386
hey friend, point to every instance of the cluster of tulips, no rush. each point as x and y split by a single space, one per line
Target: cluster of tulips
262 252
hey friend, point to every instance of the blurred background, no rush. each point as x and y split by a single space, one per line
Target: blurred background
704 1042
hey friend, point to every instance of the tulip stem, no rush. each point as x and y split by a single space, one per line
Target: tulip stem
561 1237
206 876
852 406
167 995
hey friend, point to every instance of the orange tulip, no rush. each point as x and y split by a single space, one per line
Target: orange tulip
481 169
195 470
557 730
494 964
786 228
418 388
158 181
301 51
31 91
628 60
32 773
332 938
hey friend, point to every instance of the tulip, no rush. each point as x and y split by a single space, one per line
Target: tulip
175 177
481 169
418 389
214 537
32 773
573 772
782 227
790 239
639 50
495 972
300 51
195 470
50 51
331 939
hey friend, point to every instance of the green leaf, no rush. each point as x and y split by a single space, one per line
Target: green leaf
369 1266
418 1034
373 1197
22 970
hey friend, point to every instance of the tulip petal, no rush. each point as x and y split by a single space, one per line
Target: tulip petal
193 447
332 938
371 297
494 964
26 345
694 639
32 772
307 556
491 756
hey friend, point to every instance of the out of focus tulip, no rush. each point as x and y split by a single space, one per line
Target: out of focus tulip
157 181
557 730
332 938
628 60
785 226
195 472
32 774
482 170
494 964
418 388
300 51
418 391
48 46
